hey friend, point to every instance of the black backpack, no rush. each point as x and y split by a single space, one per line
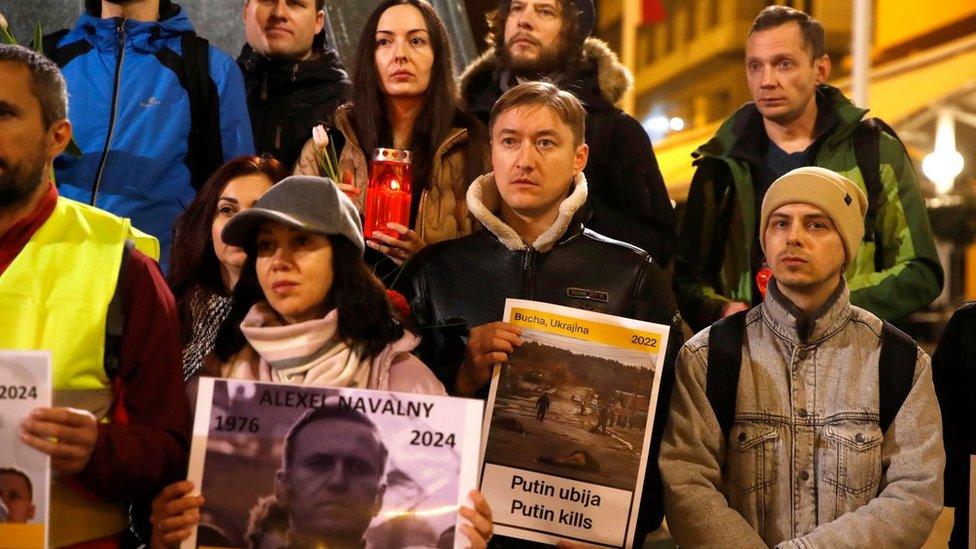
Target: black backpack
896 369
193 70
867 154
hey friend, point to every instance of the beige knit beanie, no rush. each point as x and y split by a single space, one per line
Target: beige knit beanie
840 198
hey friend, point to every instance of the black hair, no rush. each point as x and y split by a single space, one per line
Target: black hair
367 319
439 111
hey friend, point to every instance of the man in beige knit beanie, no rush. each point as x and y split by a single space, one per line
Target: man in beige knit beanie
787 428
812 222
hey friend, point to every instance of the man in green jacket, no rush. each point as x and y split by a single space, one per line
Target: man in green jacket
796 120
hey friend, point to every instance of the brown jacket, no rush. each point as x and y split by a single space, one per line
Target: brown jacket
443 213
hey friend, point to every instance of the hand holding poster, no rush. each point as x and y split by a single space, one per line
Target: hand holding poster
569 425
312 466
25 384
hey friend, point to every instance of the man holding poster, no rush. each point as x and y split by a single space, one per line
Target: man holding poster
806 421
74 281
534 246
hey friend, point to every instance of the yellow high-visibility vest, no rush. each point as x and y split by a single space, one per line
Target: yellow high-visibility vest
55 296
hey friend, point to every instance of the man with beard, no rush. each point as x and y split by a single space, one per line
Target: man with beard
332 478
294 80
549 39
797 120
155 109
73 282
806 421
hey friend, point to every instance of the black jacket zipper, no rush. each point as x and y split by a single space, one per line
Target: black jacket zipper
527 274
120 29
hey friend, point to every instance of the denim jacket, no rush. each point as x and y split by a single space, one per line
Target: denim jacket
806 464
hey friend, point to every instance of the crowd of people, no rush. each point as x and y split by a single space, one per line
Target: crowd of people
198 235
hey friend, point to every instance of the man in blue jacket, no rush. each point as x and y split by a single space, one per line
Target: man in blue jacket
144 149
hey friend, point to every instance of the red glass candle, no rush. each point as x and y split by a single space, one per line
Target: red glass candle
762 279
388 193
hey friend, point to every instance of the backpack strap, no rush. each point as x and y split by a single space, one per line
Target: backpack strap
115 318
67 52
867 153
867 141
896 371
725 339
205 147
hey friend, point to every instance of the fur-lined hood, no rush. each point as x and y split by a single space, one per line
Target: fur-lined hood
613 79
484 203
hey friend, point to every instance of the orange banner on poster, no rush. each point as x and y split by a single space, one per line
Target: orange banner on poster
22 536
598 332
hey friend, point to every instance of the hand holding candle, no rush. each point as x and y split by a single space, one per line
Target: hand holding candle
389 193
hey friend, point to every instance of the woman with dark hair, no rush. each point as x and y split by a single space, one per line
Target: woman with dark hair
307 311
405 96
203 269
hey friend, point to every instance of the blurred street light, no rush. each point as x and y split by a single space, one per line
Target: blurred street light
945 163
658 126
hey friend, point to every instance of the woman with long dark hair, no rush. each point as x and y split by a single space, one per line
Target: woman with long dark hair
308 311
405 96
204 269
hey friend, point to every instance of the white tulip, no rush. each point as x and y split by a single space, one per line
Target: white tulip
3 22
320 137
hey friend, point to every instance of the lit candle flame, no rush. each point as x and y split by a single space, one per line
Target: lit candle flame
394 185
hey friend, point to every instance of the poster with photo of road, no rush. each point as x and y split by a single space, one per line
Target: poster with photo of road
25 473
568 425
283 465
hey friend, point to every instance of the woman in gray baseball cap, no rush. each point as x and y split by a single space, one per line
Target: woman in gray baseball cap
306 292
307 311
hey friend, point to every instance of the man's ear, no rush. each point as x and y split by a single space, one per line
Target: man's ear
59 135
821 69
582 156
319 20
281 486
30 515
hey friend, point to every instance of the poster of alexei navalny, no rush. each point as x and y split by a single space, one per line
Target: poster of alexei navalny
568 425
294 466
25 384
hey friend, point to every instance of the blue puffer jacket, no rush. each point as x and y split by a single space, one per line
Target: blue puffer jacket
145 176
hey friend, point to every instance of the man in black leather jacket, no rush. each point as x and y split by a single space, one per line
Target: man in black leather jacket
294 80
533 247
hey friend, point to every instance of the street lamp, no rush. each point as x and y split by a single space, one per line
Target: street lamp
943 164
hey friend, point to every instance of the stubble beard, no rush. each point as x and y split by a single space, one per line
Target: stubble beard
805 284
19 182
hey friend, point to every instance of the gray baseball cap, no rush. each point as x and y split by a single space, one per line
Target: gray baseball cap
314 204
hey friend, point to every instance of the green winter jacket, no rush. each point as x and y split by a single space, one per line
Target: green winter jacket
712 264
